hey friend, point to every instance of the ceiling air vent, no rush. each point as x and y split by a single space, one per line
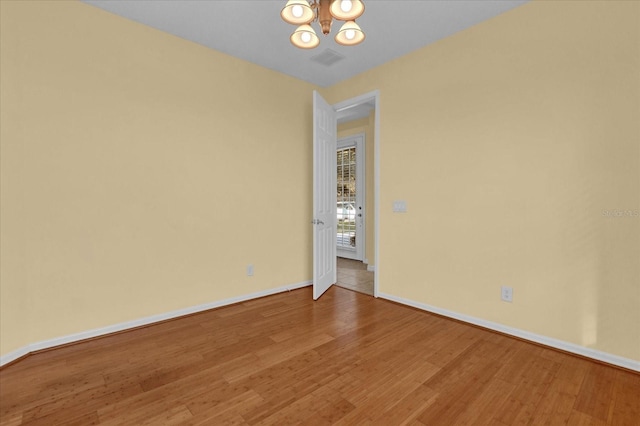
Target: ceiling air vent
327 58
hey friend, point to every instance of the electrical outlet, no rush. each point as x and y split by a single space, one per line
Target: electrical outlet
507 293
249 270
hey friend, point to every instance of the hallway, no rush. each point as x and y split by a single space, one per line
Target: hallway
353 275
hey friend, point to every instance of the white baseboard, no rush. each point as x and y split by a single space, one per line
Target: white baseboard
537 338
12 356
46 344
370 268
547 341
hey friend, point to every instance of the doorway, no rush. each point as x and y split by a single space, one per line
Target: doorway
351 197
325 135
357 121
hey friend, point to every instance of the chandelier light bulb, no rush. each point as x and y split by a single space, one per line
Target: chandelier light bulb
305 37
346 10
350 34
297 11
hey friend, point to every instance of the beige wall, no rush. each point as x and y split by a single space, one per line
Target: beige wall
366 127
508 141
141 173
131 181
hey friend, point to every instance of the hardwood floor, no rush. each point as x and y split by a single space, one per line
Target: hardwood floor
353 274
284 359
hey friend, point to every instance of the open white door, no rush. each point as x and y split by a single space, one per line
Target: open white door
324 195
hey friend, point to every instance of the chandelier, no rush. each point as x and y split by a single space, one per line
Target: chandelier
304 12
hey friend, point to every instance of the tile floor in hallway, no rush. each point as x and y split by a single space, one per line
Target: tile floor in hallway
353 275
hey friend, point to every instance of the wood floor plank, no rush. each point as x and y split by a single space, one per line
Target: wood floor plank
596 393
54 395
459 386
85 403
556 407
407 409
626 403
380 400
209 410
581 419
345 359
90 418
482 411
531 385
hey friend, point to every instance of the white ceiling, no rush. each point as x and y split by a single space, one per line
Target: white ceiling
253 30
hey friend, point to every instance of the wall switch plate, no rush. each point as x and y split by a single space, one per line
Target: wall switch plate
400 206
507 293
249 270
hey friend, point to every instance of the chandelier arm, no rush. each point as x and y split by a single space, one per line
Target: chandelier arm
315 6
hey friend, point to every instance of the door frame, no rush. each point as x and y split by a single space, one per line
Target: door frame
350 103
358 141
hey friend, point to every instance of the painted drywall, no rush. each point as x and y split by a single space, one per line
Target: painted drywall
516 145
141 173
365 126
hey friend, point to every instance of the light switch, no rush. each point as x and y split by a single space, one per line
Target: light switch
400 206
